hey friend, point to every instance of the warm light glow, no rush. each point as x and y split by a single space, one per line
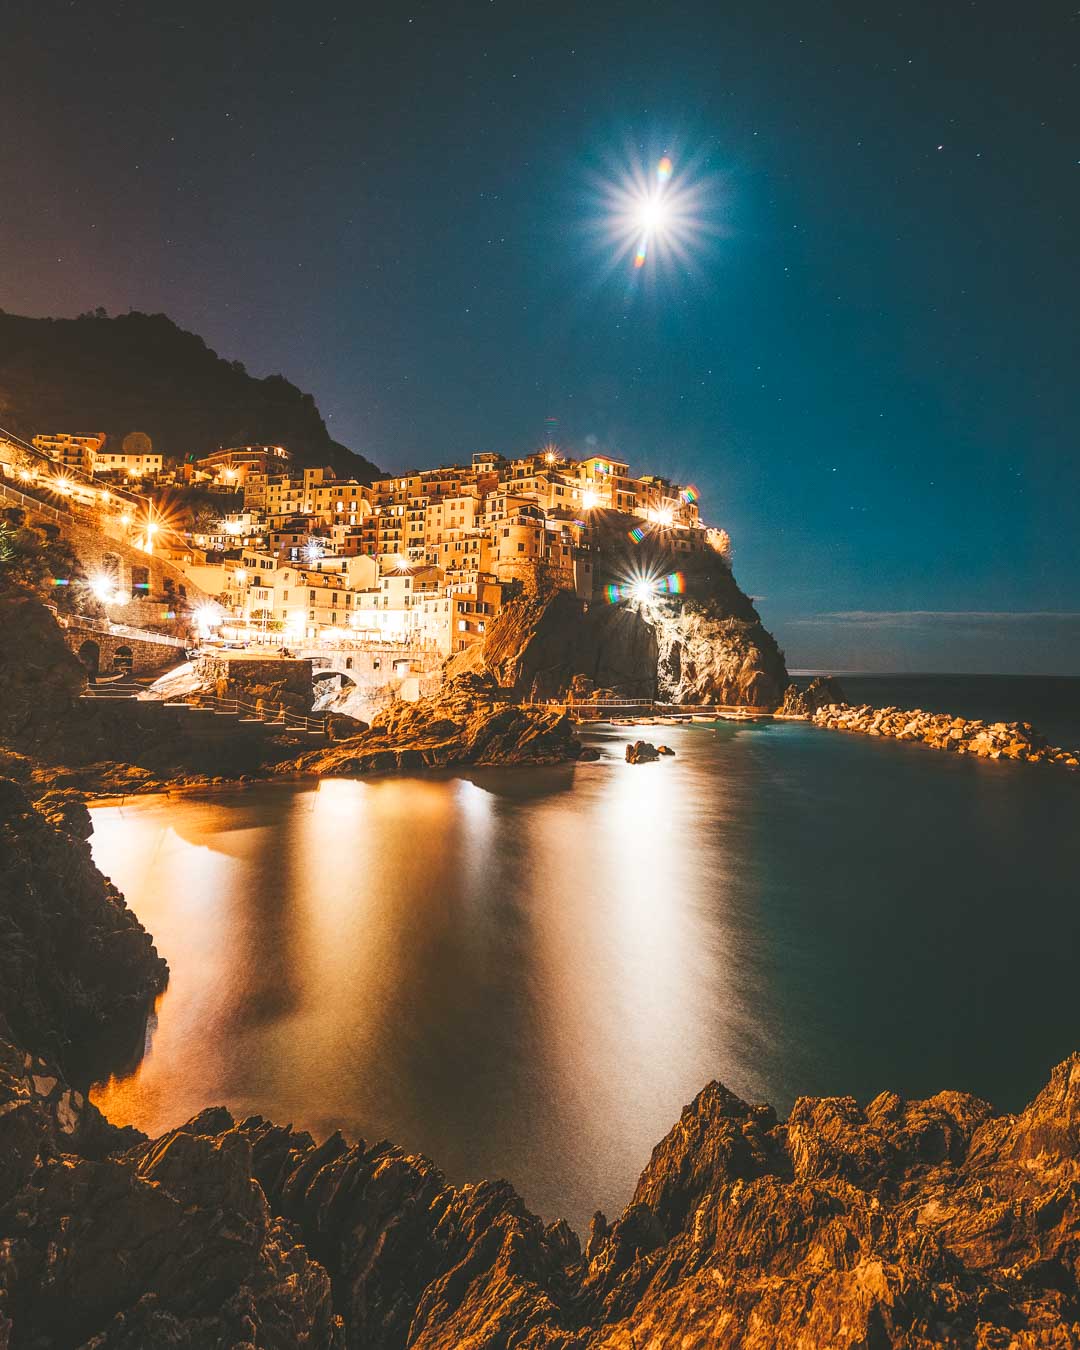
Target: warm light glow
63 486
313 550
101 587
25 475
589 500
151 527
401 563
240 576
663 516
207 617
642 590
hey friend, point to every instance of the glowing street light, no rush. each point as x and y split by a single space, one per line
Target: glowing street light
207 617
101 587
642 590
589 500
240 576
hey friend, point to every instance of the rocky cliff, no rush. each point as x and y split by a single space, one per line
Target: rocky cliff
698 641
141 372
914 1224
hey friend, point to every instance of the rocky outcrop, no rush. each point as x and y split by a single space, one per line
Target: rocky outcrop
641 752
906 1224
541 642
959 735
77 969
934 1223
697 640
40 678
463 724
821 691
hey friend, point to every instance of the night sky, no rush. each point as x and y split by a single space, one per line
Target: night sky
866 358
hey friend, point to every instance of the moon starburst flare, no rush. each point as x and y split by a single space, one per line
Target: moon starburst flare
653 216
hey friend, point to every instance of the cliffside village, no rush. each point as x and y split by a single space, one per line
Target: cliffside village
423 560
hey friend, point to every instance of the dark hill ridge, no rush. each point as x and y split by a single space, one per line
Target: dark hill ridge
141 372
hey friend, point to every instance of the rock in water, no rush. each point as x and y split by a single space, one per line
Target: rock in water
819 693
641 752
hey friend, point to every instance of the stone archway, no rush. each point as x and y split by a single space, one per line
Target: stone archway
122 659
89 654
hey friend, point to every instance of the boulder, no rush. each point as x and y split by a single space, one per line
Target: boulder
641 752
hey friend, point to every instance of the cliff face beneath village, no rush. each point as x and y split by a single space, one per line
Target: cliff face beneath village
141 372
914 1224
704 643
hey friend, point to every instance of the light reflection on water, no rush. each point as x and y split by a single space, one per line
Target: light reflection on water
527 973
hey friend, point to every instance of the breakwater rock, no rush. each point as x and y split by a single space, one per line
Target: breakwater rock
822 690
906 1224
959 735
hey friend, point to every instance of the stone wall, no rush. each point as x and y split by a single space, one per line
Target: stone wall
277 681
103 653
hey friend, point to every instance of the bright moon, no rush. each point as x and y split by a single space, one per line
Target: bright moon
652 214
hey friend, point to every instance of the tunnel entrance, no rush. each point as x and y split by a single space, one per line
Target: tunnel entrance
89 654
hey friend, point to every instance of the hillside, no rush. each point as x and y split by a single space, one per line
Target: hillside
140 372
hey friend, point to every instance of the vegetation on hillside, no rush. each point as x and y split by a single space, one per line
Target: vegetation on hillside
35 559
140 372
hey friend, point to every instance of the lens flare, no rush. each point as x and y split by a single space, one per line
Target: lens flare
636 535
643 588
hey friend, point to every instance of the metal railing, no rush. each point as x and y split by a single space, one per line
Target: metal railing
34 504
96 625
664 709
268 714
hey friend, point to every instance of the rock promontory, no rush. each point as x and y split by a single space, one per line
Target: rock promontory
693 637
466 722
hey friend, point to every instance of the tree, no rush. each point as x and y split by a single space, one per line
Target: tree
37 560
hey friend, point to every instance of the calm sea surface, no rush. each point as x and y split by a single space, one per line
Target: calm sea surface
527 973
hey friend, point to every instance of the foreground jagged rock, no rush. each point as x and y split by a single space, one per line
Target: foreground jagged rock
936 1223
